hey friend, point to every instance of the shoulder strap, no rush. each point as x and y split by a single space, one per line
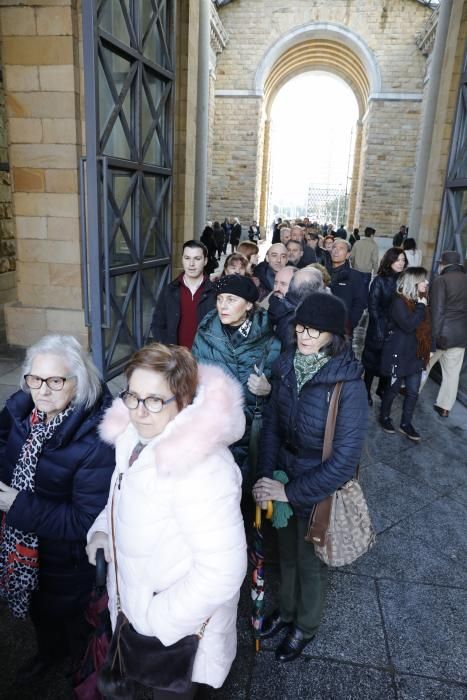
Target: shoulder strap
331 421
114 546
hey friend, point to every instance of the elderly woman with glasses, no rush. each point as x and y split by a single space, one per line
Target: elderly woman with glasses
292 442
55 475
172 529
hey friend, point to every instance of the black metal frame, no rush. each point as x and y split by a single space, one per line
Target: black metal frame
453 220
126 201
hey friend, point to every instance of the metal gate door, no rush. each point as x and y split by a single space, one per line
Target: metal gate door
126 176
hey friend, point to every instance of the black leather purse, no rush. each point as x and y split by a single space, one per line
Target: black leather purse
137 658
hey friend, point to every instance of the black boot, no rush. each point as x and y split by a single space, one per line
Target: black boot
292 645
272 625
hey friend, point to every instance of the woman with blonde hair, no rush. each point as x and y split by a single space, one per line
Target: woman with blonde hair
406 348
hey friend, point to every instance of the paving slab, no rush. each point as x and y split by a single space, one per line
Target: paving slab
401 555
308 679
433 468
410 687
426 629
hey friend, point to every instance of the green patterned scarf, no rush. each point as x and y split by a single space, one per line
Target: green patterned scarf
306 366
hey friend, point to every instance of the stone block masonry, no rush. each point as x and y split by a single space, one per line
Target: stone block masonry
43 86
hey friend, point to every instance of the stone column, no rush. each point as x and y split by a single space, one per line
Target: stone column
202 117
429 116
351 221
266 163
42 80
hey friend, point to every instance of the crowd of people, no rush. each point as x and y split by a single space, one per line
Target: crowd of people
227 408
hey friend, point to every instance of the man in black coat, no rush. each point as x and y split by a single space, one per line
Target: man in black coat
448 304
400 237
276 258
347 284
184 302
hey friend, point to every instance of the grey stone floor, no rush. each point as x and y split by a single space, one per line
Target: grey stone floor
395 623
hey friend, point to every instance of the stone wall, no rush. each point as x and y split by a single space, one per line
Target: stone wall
7 237
40 49
388 30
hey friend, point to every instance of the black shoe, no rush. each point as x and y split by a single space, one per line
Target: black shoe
409 430
443 412
292 645
272 625
387 425
33 670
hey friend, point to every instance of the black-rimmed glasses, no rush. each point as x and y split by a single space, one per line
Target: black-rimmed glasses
54 383
310 332
153 404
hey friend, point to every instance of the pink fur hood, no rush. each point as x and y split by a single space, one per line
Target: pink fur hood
215 419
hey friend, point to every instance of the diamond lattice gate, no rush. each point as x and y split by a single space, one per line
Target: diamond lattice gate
126 177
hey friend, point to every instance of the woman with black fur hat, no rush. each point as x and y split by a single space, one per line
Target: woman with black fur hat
292 439
237 335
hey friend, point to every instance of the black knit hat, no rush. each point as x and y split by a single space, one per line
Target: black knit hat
322 311
239 285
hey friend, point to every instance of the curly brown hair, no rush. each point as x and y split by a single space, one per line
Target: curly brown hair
176 363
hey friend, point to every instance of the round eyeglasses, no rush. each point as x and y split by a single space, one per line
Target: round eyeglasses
310 332
153 404
54 383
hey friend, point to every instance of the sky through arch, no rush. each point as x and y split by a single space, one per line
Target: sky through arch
313 121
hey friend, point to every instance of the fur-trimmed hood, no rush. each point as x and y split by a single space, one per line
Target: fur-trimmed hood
214 420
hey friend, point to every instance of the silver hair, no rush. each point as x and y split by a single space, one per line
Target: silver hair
407 282
306 281
80 365
342 240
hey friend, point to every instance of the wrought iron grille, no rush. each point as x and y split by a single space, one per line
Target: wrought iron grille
327 203
129 85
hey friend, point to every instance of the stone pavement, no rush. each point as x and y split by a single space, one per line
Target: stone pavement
395 622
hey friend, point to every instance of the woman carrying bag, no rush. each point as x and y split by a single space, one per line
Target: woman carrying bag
172 530
292 441
406 349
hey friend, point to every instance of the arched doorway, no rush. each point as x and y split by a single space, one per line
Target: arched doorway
318 47
312 122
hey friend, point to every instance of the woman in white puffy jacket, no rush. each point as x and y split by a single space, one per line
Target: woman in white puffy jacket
179 534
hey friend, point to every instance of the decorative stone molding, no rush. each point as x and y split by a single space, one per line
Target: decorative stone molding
425 39
219 36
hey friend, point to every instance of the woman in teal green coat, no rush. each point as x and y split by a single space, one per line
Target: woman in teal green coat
238 336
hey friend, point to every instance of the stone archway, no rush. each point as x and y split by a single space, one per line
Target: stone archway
374 52
324 47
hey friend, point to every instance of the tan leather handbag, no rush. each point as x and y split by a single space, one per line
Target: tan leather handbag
340 526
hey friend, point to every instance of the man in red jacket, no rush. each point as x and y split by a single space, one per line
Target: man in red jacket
185 301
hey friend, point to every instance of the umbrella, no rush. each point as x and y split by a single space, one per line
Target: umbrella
257 576
98 616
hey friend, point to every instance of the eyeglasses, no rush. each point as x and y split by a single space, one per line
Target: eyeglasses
153 404
310 332
54 383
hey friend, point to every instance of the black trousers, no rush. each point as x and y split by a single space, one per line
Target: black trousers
59 635
412 385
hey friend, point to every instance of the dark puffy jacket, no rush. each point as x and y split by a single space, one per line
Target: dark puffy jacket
308 257
399 354
266 275
166 317
382 290
293 429
71 488
238 356
349 285
448 305
281 312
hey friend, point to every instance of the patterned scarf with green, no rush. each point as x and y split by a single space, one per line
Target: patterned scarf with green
306 366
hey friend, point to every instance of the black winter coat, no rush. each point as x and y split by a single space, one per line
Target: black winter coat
293 429
281 312
266 275
382 290
71 488
235 234
348 285
166 317
399 354
448 305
